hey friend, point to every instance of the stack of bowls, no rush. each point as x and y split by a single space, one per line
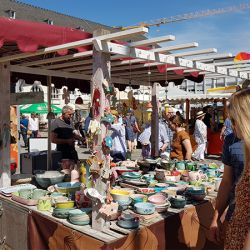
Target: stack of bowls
160 201
80 216
61 213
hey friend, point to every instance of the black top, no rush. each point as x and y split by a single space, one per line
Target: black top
64 131
207 120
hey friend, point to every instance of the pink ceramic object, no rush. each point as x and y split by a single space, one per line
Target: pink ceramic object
28 202
157 199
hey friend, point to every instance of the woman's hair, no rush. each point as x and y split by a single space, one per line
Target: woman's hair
177 120
238 110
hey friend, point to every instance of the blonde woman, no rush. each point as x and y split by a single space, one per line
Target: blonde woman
238 233
181 143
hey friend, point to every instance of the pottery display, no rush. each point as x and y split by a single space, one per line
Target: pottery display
178 201
144 208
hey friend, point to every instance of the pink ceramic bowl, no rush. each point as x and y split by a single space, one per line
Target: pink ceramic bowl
157 199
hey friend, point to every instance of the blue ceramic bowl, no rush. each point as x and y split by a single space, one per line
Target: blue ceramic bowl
129 224
144 208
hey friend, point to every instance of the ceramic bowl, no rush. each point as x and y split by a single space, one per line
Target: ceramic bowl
170 191
128 221
64 204
178 201
68 187
120 195
131 175
157 199
148 177
138 198
49 178
196 190
162 208
146 191
61 213
38 193
144 208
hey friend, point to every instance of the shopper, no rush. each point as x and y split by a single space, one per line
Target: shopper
132 129
24 123
226 129
63 134
200 135
233 160
181 144
238 232
33 125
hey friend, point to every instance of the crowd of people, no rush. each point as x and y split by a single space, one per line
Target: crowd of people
29 126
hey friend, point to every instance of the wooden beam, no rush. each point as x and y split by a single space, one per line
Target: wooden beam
26 98
195 52
5 175
212 57
153 41
59 58
117 35
69 64
176 47
155 122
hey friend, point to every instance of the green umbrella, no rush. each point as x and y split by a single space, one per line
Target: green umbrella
39 108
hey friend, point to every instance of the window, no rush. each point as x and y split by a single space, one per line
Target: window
54 93
12 14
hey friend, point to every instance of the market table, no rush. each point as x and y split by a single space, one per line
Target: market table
27 228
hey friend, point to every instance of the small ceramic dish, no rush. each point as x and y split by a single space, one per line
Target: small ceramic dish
144 208
120 195
64 204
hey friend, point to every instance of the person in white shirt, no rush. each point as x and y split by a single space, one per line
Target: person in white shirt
33 125
119 149
200 135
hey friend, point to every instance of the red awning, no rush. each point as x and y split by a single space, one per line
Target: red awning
29 36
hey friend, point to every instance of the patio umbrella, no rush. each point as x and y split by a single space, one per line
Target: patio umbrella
39 108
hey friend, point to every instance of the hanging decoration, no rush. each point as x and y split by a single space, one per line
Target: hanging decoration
96 102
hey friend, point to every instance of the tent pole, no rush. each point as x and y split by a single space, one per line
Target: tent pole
49 122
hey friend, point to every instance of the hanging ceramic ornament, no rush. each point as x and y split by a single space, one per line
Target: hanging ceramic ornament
96 102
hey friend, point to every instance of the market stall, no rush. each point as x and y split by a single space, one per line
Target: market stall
105 62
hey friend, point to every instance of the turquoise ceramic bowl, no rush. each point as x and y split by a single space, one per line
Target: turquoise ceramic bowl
144 208
68 187
131 175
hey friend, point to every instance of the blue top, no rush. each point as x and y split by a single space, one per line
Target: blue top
228 125
24 122
86 123
233 156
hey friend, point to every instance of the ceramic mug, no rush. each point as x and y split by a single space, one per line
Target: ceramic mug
25 193
38 193
44 204
217 183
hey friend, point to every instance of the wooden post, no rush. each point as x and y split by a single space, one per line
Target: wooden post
49 122
224 101
101 75
5 179
187 112
155 123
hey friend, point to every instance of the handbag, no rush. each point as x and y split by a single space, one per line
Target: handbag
135 128
29 132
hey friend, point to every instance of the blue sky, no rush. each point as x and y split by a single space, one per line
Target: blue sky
227 32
